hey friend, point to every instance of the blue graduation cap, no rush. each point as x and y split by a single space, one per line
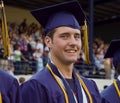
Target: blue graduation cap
114 52
63 14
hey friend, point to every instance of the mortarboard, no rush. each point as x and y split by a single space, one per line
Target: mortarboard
113 48
114 52
63 14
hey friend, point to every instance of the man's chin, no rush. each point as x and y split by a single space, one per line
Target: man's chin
72 61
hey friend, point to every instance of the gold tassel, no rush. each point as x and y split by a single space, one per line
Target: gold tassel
5 36
85 41
0 98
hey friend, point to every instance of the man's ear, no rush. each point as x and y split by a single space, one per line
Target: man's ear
48 41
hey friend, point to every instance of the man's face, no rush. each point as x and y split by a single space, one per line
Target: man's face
65 45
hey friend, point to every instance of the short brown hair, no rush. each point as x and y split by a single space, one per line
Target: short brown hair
51 33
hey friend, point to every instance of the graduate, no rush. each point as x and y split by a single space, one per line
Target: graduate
57 82
112 93
9 88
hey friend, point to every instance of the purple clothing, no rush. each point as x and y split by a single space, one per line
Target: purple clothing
110 94
9 88
42 88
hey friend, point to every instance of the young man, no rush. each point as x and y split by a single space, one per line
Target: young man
9 88
112 93
57 82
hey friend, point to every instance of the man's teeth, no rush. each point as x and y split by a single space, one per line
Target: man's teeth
72 51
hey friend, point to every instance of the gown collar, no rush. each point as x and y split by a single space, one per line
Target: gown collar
67 87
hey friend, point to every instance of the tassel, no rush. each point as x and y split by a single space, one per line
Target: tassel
0 98
5 36
85 41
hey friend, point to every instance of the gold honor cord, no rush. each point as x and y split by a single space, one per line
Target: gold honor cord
116 87
63 89
85 88
0 98
59 83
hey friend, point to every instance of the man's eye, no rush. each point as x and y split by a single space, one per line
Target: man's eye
64 36
77 36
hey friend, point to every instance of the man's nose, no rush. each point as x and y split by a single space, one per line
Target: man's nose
72 41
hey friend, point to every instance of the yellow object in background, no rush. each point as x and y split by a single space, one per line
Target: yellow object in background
0 98
85 41
5 36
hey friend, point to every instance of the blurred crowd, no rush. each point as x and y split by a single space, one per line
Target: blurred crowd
101 68
28 54
27 49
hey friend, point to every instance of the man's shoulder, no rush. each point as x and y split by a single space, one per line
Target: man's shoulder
87 80
110 94
110 90
5 75
6 80
90 84
41 77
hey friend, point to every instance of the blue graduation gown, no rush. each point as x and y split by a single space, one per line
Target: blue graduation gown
9 88
109 95
42 88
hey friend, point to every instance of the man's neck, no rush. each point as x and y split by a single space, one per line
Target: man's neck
65 70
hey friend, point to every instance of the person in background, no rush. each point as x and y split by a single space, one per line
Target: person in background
21 80
58 82
9 88
37 57
11 68
112 93
45 56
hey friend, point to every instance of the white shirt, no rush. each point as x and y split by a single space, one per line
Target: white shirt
119 77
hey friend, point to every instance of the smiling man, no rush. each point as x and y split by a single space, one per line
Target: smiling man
57 82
